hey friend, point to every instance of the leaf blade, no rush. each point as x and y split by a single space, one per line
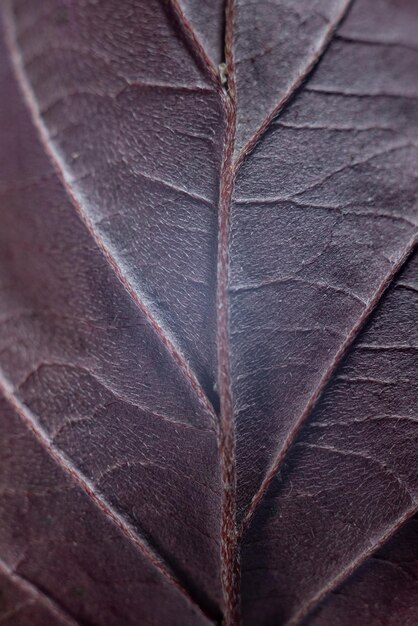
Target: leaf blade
349 477
81 328
270 64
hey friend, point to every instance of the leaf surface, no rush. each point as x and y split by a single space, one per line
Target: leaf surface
274 46
207 19
350 481
384 591
96 401
208 305
324 212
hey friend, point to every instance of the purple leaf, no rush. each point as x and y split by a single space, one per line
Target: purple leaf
208 307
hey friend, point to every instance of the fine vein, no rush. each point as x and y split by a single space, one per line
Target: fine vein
313 400
118 271
32 424
194 41
286 98
349 569
37 595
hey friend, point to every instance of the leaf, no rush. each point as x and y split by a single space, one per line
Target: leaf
23 601
208 308
75 316
350 481
207 20
389 578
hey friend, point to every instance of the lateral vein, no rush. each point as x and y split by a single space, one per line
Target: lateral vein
59 167
31 422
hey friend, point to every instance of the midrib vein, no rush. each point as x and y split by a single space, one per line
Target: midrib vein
31 422
231 536
230 561
60 169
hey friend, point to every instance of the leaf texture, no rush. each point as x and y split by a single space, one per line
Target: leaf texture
361 440
207 19
385 587
208 307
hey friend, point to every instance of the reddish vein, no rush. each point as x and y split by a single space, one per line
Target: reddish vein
35 595
65 464
285 99
313 400
123 279
194 41
229 536
27 417
298 618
